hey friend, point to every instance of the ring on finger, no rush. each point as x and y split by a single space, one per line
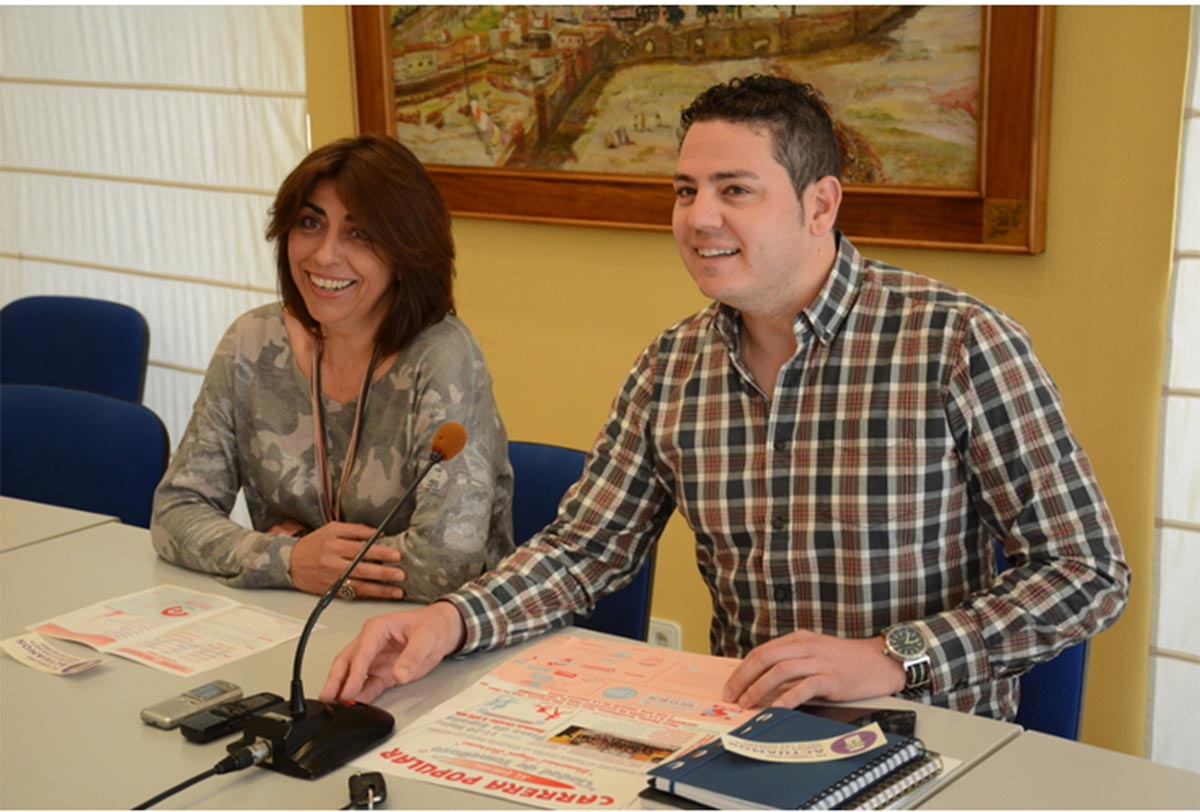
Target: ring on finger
346 591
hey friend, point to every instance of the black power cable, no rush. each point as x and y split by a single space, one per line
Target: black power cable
240 759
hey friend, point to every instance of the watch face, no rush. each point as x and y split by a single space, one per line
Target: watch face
906 641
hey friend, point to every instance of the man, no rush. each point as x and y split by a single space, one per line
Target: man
847 440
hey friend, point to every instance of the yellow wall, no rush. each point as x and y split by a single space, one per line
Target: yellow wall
562 311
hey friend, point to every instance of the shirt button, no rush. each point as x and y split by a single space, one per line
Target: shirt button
778 522
781 445
783 593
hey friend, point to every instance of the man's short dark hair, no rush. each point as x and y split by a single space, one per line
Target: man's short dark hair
794 113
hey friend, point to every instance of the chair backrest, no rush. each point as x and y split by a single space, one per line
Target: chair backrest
75 343
81 450
1052 692
541 475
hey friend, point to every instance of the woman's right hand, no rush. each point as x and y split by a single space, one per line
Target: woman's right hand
319 557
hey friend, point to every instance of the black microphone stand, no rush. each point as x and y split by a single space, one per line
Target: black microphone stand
313 737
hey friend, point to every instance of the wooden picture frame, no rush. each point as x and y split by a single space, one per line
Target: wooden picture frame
1005 213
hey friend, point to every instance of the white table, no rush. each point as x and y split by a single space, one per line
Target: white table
1036 771
23 522
77 742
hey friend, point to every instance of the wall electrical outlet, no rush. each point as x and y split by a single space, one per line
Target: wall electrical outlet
665 633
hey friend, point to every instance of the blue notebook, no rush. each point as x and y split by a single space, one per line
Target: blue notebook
714 777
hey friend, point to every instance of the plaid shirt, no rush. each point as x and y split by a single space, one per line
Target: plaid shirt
912 429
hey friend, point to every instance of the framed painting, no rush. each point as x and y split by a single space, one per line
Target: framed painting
568 114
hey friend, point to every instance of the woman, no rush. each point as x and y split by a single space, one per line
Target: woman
320 409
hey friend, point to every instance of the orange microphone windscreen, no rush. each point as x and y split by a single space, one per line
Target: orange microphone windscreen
448 440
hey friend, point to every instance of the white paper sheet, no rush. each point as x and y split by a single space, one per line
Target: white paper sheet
173 629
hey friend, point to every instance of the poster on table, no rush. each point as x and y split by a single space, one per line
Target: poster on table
573 722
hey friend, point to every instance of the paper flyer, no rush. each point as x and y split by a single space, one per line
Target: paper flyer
36 652
173 629
574 722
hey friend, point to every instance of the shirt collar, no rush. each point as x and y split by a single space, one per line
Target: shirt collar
827 312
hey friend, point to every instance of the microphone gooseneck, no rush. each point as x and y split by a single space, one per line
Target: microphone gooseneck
314 737
447 441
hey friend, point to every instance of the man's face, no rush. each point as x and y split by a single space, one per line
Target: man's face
739 226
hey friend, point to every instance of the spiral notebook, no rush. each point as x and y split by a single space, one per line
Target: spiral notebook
893 792
712 776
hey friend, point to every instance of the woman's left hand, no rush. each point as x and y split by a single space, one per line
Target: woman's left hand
320 556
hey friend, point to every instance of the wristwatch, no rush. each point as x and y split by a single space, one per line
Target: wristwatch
905 644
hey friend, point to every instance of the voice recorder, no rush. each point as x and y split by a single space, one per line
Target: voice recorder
170 712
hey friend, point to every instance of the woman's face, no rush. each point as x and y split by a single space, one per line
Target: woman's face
346 286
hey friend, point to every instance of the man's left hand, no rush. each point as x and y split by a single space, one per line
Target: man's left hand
801 666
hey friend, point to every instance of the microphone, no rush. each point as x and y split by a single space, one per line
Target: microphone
309 738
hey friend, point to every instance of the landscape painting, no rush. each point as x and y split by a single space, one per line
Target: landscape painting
569 114
599 88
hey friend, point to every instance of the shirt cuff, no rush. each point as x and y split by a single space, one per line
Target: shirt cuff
485 626
957 654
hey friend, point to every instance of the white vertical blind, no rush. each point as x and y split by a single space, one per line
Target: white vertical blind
140 148
1174 735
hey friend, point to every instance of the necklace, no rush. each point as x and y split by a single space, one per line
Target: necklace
331 500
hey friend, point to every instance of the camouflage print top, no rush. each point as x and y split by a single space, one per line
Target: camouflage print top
251 429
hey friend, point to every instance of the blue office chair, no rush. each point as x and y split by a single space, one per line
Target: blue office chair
75 343
1052 692
541 476
80 450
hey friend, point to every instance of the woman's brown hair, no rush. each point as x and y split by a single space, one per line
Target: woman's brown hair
396 203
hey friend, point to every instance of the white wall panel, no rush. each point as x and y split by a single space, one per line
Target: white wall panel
1178 598
246 47
12 282
1189 187
171 394
1181 469
1193 93
10 220
1184 330
186 320
183 137
200 234
1176 735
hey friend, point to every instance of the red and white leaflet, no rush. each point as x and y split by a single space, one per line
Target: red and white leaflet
173 629
573 722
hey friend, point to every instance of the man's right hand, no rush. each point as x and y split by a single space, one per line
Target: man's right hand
394 649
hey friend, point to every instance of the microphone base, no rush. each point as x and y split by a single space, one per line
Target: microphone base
323 738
